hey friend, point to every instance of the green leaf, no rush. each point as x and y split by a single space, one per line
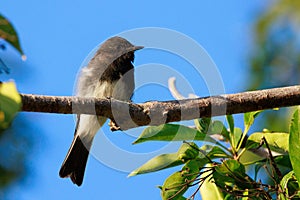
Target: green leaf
236 137
10 103
230 175
284 183
177 184
217 127
158 163
202 124
235 134
8 33
229 166
174 187
186 152
209 189
206 125
229 197
256 169
230 122
278 142
249 119
283 160
294 143
248 158
214 152
172 132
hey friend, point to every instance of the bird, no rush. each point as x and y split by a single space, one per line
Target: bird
109 74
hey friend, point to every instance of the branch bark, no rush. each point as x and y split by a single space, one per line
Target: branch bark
129 115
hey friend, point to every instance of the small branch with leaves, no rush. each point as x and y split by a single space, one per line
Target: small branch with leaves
226 156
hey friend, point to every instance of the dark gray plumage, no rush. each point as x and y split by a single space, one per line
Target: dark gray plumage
108 74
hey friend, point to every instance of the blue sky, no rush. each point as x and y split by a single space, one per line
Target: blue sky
57 36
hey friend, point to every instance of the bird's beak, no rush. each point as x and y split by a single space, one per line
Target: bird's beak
135 48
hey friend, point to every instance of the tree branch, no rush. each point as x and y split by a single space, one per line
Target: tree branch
129 115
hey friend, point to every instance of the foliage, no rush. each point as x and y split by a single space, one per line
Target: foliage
277 46
275 57
10 104
12 146
15 141
218 168
9 34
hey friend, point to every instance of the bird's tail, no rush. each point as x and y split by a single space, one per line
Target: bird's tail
75 161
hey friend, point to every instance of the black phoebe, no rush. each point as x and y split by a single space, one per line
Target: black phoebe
103 77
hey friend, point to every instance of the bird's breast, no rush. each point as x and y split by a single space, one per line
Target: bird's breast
121 89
